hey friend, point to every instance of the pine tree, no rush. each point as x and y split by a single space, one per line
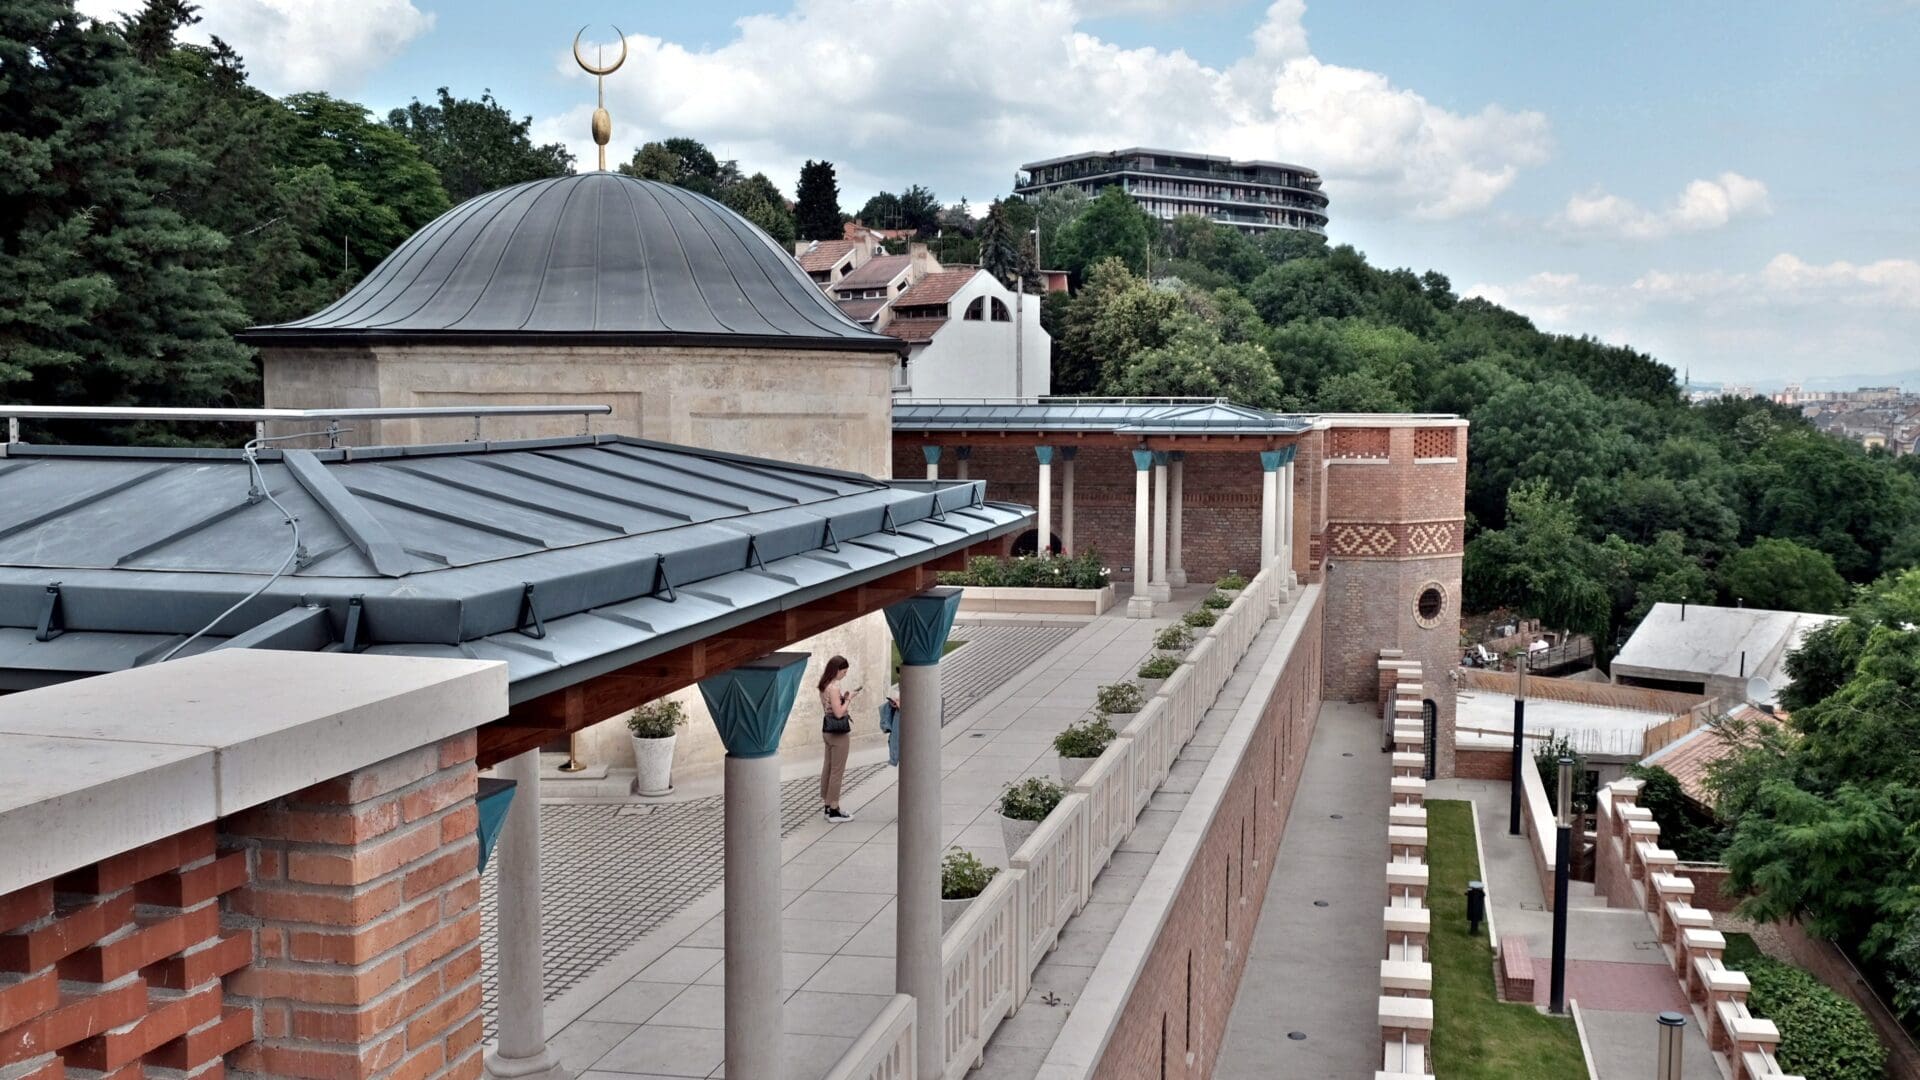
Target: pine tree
108 294
818 212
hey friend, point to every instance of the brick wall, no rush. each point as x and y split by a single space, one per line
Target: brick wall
1167 1030
116 968
1221 527
364 905
1483 765
1712 886
1389 527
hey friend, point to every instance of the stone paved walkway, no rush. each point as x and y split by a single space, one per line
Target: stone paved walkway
1311 969
657 1011
615 870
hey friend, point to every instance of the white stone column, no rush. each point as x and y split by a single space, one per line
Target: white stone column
962 456
1157 583
933 461
520 1050
1045 544
920 627
749 704
751 930
1067 454
1287 511
1176 561
1140 604
1269 498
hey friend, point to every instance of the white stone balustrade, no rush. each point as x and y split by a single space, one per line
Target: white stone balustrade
1409 790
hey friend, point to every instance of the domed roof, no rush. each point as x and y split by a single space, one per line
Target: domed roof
596 258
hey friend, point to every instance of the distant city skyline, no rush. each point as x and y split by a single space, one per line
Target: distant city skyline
1730 193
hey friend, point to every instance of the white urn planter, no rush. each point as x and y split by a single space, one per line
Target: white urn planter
653 761
1072 769
951 910
1014 832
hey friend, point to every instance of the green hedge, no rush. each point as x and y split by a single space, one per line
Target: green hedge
1082 571
1823 1036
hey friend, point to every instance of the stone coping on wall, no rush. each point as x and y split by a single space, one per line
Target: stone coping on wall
1035 600
95 767
1082 1041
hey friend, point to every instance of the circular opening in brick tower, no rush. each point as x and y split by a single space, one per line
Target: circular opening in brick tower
1432 602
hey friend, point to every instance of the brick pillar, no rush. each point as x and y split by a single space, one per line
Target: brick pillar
366 899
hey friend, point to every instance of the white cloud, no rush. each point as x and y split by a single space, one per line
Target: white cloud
1702 205
1786 317
959 95
294 45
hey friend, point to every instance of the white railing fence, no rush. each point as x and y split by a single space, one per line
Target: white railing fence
885 1051
990 953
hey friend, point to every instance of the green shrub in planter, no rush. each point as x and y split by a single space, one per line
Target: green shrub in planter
1160 667
1085 739
1032 799
1217 601
1823 1036
1120 697
657 719
963 876
1232 582
1082 571
1200 618
1173 638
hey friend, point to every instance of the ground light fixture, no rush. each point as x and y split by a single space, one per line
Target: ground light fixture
1672 1031
1476 906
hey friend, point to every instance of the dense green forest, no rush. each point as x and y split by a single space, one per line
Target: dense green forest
153 202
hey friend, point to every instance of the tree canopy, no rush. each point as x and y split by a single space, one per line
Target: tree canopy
817 212
477 146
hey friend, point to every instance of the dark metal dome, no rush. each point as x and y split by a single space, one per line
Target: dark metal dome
595 258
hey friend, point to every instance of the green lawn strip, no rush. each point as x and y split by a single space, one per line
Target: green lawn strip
1474 1034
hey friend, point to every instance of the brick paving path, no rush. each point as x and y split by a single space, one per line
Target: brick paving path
993 653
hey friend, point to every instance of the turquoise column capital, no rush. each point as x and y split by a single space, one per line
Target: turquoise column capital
1176 455
1286 454
1143 460
750 702
1068 453
1161 457
932 454
964 453
920 625
1044 453
1270 460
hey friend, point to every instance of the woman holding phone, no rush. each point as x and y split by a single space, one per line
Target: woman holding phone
836 734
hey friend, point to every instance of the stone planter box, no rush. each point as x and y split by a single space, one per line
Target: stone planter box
1072 769
1013 833
951 910
1037 601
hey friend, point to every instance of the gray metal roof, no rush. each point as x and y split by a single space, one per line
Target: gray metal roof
1124 416
597 257
563 557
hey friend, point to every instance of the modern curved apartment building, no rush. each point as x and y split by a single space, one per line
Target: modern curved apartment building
1253 196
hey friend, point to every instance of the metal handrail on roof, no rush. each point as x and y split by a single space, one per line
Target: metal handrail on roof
259 418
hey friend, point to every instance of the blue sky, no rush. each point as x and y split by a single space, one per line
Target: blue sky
1728 185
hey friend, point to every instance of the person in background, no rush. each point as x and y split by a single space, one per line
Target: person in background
890 723
836 734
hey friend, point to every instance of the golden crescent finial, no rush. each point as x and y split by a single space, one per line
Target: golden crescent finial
589 68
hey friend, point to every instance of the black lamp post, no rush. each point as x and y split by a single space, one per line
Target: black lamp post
1562 851
1519 745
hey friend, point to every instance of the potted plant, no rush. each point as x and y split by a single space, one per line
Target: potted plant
962 877
1232 583
1217 601
1175 638
1119 698
1023 806
1200 617
1080 744
654 727
1160 668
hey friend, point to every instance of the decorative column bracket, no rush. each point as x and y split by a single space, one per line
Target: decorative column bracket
920 625
750 702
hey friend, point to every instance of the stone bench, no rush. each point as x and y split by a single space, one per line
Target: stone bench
1408 763
1516 969
1409 840
1407 815
1410 790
